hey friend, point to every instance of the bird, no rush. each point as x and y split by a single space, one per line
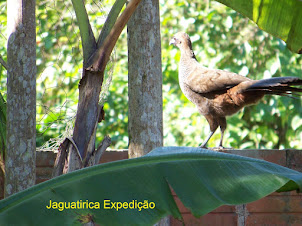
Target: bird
218 93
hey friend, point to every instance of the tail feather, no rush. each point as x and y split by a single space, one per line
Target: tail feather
278 86
289 89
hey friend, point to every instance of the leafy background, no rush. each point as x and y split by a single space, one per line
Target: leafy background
221 39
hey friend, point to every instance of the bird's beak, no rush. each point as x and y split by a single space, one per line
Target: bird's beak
172 42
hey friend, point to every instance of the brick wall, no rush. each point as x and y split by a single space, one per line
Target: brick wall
275 209
46 159
278 209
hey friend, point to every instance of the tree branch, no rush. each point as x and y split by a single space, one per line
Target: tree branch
60 159
110 21
2 61
87 37
99 59
97 154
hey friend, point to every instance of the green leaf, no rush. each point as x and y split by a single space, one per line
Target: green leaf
111 19
281 18
88 39
202 179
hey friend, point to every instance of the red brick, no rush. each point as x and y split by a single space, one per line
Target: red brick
294 159
274 156
277 204
221 209
276 219
110 156
45 158
180 205
221 219
289 193
44 172
225 209
40 180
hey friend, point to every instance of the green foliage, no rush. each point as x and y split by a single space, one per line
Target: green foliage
59 63
202 179
221 38
59 68
282 19
3 75
3 41
2 125
224 39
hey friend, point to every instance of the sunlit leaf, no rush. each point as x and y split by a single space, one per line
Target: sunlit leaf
281 18
202 179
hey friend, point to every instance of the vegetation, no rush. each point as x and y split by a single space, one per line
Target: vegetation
203 181
222 38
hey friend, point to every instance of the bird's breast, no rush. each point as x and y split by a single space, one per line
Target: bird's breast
200 101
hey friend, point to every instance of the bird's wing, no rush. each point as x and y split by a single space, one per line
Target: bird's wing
204 80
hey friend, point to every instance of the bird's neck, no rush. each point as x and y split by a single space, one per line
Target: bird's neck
187 61
187 53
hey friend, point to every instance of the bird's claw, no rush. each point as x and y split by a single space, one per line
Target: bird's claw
221 148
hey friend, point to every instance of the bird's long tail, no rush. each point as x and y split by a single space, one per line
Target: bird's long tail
278 86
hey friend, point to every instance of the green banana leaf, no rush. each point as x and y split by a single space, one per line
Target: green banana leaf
281 18
202 179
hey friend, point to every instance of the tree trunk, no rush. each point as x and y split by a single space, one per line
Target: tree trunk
88 113
79 151
21 96
145 82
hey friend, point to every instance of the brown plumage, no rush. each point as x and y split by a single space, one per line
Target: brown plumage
218 93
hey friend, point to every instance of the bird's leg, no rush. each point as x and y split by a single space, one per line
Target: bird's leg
204 144
221 139
213 123
222 125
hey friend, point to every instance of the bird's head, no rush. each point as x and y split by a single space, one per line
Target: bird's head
181 40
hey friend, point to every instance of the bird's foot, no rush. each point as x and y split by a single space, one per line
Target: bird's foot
221 148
